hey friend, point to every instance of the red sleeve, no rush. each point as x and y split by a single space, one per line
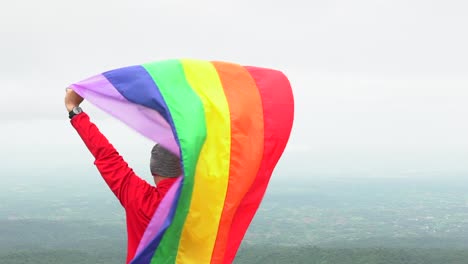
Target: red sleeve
121 179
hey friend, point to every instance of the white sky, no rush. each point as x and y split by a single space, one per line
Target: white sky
380 86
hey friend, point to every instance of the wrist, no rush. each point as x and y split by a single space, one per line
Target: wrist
75 111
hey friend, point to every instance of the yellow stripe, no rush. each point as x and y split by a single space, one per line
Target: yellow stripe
212 172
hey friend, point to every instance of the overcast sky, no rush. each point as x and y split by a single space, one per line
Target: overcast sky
381 87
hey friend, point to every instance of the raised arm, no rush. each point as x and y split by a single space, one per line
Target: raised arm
120 178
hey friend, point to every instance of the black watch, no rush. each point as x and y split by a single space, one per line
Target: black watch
76 110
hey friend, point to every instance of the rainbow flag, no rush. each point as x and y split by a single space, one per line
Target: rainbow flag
228 123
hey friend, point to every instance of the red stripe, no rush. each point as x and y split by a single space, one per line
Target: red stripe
278 113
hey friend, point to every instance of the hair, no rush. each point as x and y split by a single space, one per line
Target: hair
164 163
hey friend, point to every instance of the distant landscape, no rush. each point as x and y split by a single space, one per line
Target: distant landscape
320 220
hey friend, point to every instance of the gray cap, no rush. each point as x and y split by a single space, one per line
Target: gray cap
164 163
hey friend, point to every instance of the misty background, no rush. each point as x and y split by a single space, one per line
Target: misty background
380 86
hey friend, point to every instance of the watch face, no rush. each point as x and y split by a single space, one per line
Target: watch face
77 110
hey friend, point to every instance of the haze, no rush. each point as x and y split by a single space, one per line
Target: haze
380 86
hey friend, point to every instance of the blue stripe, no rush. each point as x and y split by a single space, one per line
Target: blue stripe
137 86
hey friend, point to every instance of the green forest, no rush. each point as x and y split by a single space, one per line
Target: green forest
315 255
329 222
262 254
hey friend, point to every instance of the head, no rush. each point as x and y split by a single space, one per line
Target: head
164 164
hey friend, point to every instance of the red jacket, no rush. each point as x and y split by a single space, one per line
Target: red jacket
139 198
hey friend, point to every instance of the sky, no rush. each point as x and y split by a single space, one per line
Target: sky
380 86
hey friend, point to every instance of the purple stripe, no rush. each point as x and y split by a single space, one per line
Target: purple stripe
148 122
163 216
162 211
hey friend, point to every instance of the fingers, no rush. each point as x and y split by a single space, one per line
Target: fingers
72 99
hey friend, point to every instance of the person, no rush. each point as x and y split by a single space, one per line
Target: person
139 198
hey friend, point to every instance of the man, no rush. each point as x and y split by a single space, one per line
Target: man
139 198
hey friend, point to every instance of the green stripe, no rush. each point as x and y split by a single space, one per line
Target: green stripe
188 115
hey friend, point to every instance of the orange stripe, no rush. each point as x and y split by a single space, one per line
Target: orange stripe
247 139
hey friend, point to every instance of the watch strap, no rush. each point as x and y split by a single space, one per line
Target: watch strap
75 111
